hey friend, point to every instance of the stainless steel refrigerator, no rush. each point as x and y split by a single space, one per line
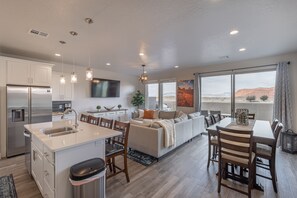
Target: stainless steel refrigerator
25 105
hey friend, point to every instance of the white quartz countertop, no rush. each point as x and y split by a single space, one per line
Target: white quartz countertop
86 133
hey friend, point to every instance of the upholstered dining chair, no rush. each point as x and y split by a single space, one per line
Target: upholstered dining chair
93 120
235 147
84 118
118 147
251 116
268 152
274 124
212 141
216 116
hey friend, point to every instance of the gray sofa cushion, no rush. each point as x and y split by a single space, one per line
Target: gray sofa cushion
167 114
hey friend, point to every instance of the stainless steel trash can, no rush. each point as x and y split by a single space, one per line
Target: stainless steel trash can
88 179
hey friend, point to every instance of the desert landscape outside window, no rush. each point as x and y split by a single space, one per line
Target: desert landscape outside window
254 91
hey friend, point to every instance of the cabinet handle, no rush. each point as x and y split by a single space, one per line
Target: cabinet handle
46 154
34 155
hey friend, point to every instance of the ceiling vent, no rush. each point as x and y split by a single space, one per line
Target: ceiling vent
38 33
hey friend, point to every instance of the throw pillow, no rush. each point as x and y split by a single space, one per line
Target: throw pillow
156 114
140 113
148 114
167 114
181 118
194 115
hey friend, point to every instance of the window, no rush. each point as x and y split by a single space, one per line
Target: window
152 96
253 90
167 92
216 93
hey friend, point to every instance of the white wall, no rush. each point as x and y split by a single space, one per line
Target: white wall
185 74
82 100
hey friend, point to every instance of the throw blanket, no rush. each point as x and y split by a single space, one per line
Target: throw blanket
169 130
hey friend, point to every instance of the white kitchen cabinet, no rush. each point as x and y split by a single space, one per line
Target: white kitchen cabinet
51 169
61 91
23 72
41 74
37 166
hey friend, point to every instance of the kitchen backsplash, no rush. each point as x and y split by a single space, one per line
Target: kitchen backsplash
61 106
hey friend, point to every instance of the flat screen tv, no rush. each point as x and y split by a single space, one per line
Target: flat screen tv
104 88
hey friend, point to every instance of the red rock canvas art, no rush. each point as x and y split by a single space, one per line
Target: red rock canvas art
185 93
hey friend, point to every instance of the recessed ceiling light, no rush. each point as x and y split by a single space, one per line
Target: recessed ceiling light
233 32
57 54
73 33
108 64
242 49
176 66
141 54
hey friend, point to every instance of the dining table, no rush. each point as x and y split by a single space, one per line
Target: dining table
262 134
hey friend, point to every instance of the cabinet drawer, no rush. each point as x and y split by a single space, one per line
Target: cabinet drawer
98 115
120 112
49 155
49 174
110 113
37 143
48 192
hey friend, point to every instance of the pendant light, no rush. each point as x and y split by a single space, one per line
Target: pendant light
89 71
62 77
73 77
143 77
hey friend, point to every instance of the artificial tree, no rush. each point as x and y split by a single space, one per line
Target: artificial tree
137 99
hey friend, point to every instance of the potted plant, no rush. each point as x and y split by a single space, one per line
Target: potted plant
137 99
119 106
98 107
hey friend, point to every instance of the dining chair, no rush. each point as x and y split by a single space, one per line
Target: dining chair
235 147
84 118
212 141
251 116
118 147
216 115
268 152
274 124
107 123
204 112
93 120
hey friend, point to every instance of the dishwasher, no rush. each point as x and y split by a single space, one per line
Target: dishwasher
27 135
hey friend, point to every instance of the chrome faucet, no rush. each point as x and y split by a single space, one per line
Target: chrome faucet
68 111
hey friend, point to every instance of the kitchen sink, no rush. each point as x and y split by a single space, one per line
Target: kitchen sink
59 131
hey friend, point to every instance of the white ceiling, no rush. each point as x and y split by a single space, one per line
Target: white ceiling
187 33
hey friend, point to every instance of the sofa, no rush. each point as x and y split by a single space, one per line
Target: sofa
149 139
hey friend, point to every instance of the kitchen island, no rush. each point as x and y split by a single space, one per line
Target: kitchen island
52 154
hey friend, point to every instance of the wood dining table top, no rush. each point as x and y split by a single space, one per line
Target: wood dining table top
262 132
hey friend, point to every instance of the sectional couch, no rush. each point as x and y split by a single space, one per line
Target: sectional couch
146 137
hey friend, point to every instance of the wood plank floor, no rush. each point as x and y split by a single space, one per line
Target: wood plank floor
183 174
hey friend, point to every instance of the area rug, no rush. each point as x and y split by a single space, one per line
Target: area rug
141 158
7 188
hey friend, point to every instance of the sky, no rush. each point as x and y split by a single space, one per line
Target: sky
221 85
